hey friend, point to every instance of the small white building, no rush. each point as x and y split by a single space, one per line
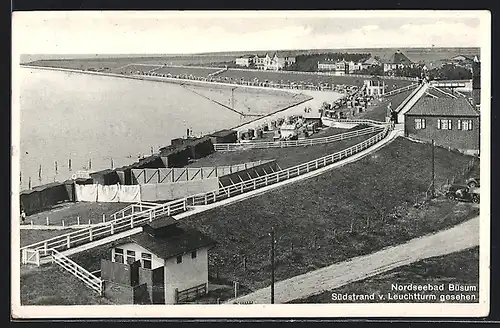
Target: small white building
163 264
245 61
375 87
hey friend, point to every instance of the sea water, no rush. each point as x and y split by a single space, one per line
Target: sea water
95 120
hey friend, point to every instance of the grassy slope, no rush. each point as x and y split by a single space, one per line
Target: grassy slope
461 267
29 237
70 211
52 285
306 214
285 157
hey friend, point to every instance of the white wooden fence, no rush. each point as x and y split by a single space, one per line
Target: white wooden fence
126 222
256 183
88 278
137 214
295 143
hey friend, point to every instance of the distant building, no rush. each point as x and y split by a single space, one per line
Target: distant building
370 62
327 65
245 61
339 67
450 122
397 61
163 264
271 62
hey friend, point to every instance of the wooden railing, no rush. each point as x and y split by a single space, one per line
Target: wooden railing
272 178
85 235
88 278
403 89
132 208
295 143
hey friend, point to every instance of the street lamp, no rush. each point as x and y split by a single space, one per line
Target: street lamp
272 264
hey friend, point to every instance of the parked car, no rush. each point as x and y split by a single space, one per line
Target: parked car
473 182
462 193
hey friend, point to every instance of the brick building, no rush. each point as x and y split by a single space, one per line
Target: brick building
450 122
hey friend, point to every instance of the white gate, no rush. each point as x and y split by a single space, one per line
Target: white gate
30 256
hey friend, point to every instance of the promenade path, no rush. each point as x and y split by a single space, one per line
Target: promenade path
457 238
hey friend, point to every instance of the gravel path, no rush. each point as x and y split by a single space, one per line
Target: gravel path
460 237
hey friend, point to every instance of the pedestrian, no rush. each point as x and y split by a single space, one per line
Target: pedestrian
23 216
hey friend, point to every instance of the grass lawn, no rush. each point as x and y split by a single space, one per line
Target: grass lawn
376 194
285 157
52 285
29 237
456 268
70 211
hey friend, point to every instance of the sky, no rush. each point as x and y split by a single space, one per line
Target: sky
178 32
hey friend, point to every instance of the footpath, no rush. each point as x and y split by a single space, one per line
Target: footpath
455 239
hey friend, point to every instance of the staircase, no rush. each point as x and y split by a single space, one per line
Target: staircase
403 89
411 101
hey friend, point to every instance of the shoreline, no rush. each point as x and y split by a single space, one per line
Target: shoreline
257 121
240 127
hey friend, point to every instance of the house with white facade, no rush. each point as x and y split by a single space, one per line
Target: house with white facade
274 61
245 61
164 264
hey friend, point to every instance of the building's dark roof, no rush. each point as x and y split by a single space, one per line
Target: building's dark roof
103 172
443 107
222 133
162 222
398 58
170 246
447 93
41 188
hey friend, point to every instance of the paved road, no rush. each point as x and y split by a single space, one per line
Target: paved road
460 237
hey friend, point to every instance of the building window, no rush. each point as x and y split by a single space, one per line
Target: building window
146 260
465 125
193 254
130 257
118 255
419 123
444 124
179 259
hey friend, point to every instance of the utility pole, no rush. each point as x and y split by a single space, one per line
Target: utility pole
272 265
433 173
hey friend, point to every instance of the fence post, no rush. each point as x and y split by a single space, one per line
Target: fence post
45 247
132 222
47 220
103 218
168 210
150 216
78 220
90 234
183 205
112 228
265 179
206 199
90 223
63 223
68 241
